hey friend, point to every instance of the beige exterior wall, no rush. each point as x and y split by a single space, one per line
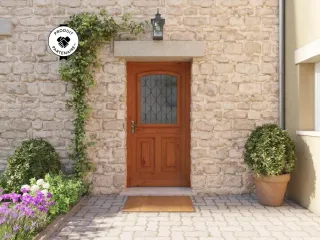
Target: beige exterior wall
234 86
302 18
305 15
305 182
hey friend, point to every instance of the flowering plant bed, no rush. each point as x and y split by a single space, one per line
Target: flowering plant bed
40 208
23 214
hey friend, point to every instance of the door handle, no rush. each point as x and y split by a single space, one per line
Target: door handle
133 127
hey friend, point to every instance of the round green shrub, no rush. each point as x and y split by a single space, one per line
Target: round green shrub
33 159
269 151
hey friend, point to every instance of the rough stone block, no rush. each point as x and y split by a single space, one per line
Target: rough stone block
145 3
214 180
20 125
247 68
73 3
103 181
232 3
119 180
271 3
182 36
52 89
254 114
256 3
177 11
252 47
233 48
236 21
206 68
250 88
195 21
32 21
125 2
198 181
28 37
17 88
219 21
224 68
228 88
43 2
54 125
93 125
212 36
202 3
268 68
232 181
212 169
5 68
20 68
175 2
249 20
113 125
203 126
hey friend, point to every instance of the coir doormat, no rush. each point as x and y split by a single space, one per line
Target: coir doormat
158 204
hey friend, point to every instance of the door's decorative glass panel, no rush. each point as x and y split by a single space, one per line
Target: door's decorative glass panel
158 99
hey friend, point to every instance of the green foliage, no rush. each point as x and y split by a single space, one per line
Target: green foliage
65 192
3 182
93 31
34 158
269 151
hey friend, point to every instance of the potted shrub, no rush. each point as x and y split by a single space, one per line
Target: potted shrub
270 153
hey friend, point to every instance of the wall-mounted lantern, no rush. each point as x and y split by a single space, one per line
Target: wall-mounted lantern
157 24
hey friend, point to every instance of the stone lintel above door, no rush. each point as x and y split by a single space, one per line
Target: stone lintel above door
159 50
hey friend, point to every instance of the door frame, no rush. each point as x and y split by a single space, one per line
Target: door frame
130 83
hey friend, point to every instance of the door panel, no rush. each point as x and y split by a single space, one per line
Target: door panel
145 154
158 124
170 154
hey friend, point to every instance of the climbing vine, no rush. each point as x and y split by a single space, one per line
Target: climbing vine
93 31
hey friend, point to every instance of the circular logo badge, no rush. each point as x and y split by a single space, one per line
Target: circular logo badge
63 41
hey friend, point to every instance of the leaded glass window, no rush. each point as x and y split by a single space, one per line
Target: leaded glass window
158 99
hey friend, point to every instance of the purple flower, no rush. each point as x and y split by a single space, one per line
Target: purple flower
16 228
23 190
29 212
4 210
5 204
5 196
13 196
39 194
42 208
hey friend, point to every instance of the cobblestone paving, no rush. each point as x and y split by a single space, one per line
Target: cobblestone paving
221 217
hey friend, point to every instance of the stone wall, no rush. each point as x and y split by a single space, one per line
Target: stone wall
234 87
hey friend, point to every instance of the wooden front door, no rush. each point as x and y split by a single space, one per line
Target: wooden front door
158 124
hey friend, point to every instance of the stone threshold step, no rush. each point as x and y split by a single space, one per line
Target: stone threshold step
157 191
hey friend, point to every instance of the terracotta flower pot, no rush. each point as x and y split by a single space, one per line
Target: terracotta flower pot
270 190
